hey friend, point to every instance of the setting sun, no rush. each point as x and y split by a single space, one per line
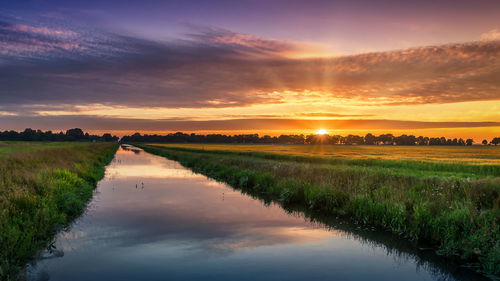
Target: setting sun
321 132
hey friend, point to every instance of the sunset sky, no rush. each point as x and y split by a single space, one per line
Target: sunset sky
270 67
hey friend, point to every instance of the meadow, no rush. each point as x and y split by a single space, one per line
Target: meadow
10 146
480 155
44 186
447 198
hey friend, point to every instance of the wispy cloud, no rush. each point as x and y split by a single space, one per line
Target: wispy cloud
252 45
40 30
491 35
328 114
20 40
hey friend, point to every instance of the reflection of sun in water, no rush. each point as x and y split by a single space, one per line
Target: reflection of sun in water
321 132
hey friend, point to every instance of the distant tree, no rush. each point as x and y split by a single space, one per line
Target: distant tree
108 137
422 140
267 139
317 139
434 141
353 139
291 139
370 139
76 133
386 139
310 139
336 139
495 141
39 135
484 142
405 140
28 134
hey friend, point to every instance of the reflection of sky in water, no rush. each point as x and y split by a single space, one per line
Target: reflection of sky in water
184 226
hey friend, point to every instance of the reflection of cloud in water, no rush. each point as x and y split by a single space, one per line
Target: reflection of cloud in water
150 167
269 236
146 171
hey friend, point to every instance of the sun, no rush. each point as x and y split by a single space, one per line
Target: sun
321 132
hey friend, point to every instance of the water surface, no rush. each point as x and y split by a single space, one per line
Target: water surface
152 219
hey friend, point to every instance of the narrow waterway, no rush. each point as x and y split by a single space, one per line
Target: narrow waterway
152 219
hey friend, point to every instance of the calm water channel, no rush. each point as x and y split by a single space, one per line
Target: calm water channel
152 219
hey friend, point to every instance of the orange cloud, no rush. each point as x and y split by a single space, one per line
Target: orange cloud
491 35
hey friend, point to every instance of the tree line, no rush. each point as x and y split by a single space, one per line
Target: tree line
78 134
368 139
75 134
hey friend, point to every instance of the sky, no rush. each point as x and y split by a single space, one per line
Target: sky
270 67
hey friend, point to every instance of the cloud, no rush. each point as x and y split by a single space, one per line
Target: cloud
40 30
491 35
219 68
20 40
257 46
327 114
298 114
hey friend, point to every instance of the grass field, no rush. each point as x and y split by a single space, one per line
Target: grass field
466 162
9 146
448 197
43 187
479 155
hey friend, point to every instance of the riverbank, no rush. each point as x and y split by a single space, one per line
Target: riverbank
43 188
454 208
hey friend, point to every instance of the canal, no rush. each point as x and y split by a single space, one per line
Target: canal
152 219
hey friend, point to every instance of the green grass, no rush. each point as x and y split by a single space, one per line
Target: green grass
43 187
398 161
9 146
477 154
454 206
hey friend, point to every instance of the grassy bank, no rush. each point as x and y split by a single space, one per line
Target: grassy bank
455 207
43 187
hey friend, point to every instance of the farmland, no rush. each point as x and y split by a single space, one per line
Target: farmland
480 155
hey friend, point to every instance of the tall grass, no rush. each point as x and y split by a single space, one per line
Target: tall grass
458 215
43 189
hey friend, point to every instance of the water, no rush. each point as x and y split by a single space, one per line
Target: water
152 219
